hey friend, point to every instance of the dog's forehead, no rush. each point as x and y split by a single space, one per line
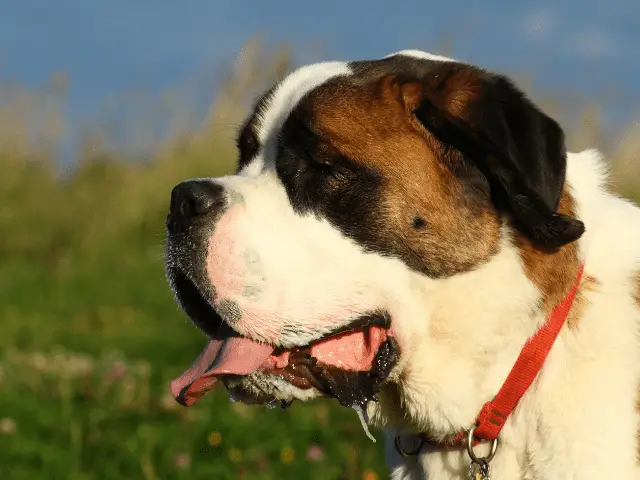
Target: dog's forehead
271 112
286 95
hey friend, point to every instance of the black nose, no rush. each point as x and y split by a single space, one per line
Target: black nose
192 199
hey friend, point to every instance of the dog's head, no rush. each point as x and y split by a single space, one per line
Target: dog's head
359 185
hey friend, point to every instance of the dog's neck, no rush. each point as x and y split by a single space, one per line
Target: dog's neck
455 368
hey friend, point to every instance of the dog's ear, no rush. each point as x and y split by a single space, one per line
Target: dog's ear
519 150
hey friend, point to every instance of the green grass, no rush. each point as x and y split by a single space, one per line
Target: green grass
87 354
90 335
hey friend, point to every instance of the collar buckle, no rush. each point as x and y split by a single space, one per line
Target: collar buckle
404 453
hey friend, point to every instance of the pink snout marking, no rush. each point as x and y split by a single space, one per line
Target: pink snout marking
224 263
233 272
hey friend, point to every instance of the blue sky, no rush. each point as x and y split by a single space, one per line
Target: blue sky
108 48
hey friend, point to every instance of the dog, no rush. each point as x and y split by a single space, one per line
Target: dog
409 236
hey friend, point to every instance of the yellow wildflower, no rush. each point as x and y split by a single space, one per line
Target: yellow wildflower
286 455
369 475
235 455
214 439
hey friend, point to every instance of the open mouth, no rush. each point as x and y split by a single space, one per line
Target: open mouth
350 364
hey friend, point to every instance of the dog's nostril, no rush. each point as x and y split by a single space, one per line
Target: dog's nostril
187 208
171 224
192 199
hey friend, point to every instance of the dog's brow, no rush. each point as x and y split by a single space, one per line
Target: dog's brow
288 94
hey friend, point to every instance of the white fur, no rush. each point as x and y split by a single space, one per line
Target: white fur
421 54
459 336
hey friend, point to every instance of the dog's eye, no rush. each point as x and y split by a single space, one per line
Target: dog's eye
314 154
320 163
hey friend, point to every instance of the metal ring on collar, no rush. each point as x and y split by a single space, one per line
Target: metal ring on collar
403 452
474 458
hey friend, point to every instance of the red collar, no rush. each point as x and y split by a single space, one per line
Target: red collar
495 413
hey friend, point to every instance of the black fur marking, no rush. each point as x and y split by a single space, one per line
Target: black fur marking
520 151
320 181
247 141
194 305
230 311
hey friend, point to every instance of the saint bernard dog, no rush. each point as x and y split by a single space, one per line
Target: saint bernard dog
409 236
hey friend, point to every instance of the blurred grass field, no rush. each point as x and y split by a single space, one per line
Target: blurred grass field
90 335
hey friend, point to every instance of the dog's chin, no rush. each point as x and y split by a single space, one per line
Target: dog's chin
264 388
279 376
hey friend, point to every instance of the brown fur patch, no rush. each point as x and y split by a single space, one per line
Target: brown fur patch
372 126
637 292
554 272
452 90
588 284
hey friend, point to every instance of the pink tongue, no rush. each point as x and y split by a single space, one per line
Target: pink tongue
235 355
353 351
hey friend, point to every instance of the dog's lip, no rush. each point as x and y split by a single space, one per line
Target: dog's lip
373 319
209 321
194 304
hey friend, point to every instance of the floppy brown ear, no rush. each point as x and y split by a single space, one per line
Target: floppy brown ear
520 150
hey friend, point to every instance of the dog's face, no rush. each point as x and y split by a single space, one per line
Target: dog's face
358 186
